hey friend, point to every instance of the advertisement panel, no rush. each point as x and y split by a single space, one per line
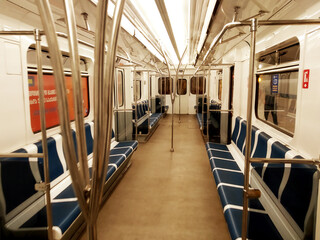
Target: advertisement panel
51 105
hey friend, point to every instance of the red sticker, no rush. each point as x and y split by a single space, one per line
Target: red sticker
306 75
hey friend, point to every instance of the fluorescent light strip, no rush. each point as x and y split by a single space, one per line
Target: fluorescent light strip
203 35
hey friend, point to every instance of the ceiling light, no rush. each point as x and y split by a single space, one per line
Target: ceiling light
203 35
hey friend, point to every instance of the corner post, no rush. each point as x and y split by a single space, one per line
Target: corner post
253 30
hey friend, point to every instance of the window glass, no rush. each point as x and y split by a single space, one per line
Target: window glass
120 88
138 89
198 85
150 86
289 54
220 89
51 106
280 55
164 85
182 86
46 60
276 99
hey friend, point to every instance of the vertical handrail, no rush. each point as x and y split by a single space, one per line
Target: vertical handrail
148 100
161 93
135 101
124 93
253 30
98 78
202 112
197 91
208 101
77 90
178 92
101 159
37 38
63 108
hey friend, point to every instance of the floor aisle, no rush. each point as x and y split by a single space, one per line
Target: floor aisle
166 195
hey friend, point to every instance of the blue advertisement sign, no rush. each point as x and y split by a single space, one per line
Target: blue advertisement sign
275 83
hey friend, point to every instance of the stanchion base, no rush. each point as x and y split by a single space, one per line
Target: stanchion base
172 150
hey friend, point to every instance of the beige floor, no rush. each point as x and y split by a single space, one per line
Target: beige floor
166 195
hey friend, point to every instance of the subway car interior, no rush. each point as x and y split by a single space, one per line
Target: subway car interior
159 119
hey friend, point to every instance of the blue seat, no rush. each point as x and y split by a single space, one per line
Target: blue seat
224 164
145 121
260 225
55 164
16 177
230 195
24 208
285 181
228 176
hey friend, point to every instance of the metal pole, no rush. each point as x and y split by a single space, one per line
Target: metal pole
21 155
56 60
148 101
283 160
37 37
77 92
135 102
98 78
202 112
101 157
208 102
179 92
253 30
172 111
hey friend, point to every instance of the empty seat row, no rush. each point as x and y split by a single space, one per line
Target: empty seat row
145 120
23 209
284 182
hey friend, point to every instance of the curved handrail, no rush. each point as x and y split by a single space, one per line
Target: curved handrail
63 109
77 91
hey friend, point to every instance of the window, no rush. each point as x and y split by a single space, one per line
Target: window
138 90
51 105
198 85
120 88
164 85
50 97
150 86
182 86
276 99
286 52
220 89
277 86
46 60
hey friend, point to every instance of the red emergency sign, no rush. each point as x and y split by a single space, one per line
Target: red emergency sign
306 75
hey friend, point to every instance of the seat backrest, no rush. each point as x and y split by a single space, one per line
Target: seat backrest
18 177
57 163
293 186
